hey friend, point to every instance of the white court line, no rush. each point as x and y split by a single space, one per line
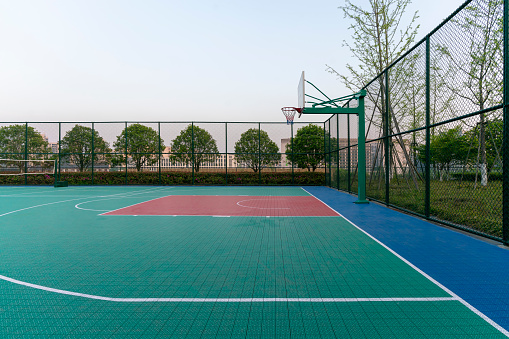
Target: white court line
130 195
261 208
225 300
58 202
454 295
89 209
138 203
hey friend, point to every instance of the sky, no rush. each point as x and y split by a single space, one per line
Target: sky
178 60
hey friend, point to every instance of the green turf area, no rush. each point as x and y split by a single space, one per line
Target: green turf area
63 247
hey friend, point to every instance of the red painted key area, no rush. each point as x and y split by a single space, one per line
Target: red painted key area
273 206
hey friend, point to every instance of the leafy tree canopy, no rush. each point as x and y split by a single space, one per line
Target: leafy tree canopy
256 150
446 149
143 146
479 65
194 145
76 147
13 142
377 39
308 147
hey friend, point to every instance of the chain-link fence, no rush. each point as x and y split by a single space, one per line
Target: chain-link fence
435 126
162 153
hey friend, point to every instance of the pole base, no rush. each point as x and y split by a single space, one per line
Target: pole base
61 184
361 202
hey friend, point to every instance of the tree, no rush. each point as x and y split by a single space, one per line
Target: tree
143 146
13 143
377 38
480 64
307 149
194 146
494 138
76 147
446 149
256 150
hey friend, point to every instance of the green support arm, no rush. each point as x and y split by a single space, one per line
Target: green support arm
361 149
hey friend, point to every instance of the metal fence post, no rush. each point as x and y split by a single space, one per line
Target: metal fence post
293 159
361 152
259 156
337 150
505 190
349 155
93 152
386 138
192 152
125 153
160 155
427 194
26 153
325 152
59 149
330 158
226 152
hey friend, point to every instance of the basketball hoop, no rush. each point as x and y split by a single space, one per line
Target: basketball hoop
289 113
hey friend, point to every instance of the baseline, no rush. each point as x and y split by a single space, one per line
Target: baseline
225 300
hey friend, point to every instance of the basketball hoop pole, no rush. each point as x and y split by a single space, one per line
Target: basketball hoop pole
326 108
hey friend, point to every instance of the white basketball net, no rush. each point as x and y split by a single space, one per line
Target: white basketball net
289 113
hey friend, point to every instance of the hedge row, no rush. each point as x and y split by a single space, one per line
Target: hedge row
172 178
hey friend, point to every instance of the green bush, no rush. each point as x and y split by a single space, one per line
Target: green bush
172 178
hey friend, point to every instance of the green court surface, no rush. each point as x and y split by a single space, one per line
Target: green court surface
67 271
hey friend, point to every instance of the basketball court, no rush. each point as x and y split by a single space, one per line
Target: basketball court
210 262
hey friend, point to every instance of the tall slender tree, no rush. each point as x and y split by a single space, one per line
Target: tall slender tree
479 64
379 37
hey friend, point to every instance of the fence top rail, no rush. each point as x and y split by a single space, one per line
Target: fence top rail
156 122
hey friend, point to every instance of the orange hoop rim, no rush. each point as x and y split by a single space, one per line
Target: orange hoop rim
289 113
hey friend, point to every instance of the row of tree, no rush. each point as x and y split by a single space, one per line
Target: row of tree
457 149
141 146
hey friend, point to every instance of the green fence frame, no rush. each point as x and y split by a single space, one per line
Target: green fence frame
386 138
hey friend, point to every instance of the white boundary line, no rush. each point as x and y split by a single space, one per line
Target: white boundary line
224 300
261 208
62 201
130 195
454 295
121 208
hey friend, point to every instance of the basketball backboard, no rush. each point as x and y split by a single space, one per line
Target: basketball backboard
301 92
